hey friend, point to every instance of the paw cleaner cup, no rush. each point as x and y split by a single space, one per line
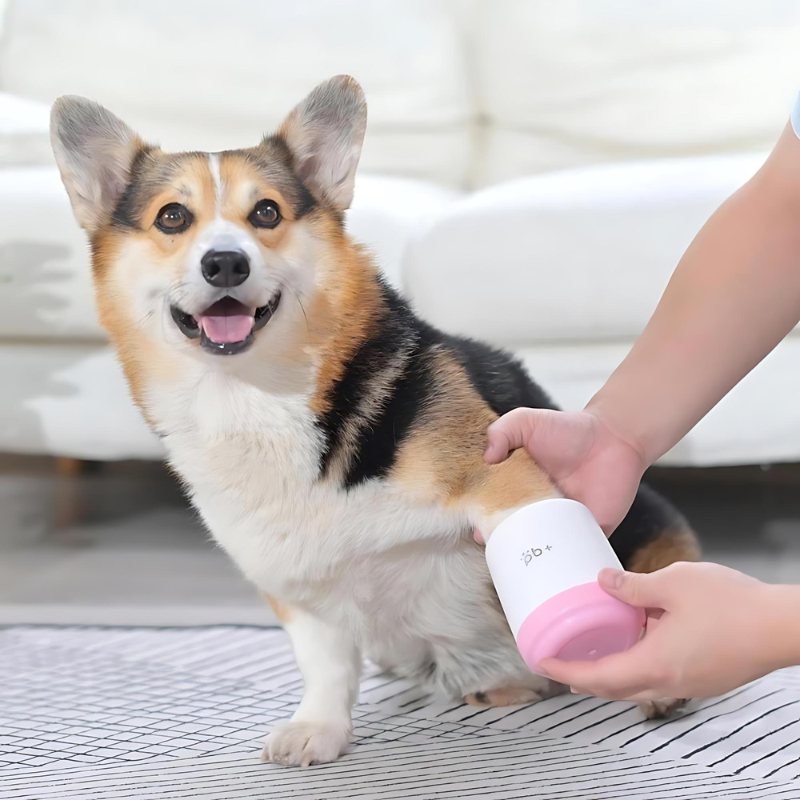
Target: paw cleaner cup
544 561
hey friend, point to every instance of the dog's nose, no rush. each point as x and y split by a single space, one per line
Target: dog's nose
225 268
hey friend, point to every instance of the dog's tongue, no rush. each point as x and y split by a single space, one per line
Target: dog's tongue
227 321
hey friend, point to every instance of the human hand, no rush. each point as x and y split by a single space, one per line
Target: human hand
585 458
718 629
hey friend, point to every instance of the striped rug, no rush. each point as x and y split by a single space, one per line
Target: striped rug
135 713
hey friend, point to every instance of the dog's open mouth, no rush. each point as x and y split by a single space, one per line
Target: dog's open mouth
227 326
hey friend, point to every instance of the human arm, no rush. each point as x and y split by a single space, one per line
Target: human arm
734 295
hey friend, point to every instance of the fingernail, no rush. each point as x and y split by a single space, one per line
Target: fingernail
574 690
613 578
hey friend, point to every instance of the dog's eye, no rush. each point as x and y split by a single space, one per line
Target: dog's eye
174 218
266 214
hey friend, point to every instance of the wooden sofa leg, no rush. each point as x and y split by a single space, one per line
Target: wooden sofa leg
68 499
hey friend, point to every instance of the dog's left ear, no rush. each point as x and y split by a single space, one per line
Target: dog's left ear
94 150
325 133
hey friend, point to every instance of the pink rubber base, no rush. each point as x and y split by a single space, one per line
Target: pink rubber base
580 624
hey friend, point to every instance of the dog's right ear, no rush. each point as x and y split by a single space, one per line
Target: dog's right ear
94 151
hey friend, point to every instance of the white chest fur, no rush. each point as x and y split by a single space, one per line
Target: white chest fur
251 460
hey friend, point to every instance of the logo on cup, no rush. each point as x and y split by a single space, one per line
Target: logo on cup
528 555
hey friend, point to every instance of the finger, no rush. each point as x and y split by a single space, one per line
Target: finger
619 675
510 432
642 697
478 536
635 589
616 695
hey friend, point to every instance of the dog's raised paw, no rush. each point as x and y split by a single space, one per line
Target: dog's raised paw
301 744
658 709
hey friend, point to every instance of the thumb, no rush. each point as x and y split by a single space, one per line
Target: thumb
635 589
513 430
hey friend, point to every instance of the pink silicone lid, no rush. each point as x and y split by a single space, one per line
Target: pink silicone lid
580 624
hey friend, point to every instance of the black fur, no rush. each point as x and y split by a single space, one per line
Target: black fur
400 337
650 515
398 340
127 212
499 377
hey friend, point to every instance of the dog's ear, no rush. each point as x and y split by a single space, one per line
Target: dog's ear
94 151
325 133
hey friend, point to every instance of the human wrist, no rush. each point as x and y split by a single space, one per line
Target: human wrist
620 433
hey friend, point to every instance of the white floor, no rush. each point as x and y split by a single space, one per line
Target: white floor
129 551
134 555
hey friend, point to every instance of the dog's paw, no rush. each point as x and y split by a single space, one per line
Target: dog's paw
515 695
495 698
300 744
657 709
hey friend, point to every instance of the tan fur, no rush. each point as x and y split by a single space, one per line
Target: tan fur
497 698
192 186
282 611
343 310
671 545
144 366
242 187
442 460
514 695
114 317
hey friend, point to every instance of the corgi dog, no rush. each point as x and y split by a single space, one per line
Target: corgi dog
330 439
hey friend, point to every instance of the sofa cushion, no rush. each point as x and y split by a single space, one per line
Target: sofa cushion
69 400
194 74
45 278
756 423
388 212
575 255
580 81
45 275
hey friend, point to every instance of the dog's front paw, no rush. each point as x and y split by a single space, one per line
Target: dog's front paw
658 709
300 744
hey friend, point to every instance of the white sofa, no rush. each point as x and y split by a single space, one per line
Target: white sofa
532 172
